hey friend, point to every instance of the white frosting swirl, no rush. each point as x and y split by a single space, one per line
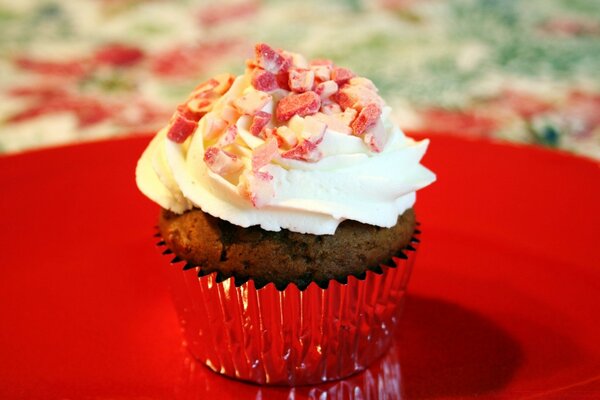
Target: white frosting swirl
349 182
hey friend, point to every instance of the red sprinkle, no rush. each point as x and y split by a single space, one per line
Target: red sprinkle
260 120
366 119
341 75
303 104
181 128
263 80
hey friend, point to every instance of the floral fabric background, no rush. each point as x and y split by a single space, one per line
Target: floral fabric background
526 71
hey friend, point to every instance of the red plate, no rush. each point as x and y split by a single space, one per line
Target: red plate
504 302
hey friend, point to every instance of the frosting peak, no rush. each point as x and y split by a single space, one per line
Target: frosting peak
288 144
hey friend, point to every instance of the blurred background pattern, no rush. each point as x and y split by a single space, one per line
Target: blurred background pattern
525 71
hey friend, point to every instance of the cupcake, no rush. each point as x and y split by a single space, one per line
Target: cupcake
286 199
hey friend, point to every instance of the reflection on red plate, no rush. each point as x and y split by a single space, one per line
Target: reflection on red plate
504 301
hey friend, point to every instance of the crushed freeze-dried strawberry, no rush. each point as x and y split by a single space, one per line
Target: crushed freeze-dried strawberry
326 89
221 162
263 80
301 80
181 128
269 59
251 103
260 120
366 119
304 151
302 104
341 75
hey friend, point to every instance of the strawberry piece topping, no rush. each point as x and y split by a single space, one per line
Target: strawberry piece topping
269 59
366 119
260 120
181 128
263 80
341 75
251 103
221 162
303 104
301 80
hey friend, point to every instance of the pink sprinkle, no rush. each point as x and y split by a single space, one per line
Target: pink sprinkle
303 104
305 151
341 75
181 128
263 80
367 118
301 80
260 120
269 59
326 89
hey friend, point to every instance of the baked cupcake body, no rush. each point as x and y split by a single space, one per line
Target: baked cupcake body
287 198
283 257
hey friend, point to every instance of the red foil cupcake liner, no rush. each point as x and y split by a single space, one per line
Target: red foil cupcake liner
291 336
